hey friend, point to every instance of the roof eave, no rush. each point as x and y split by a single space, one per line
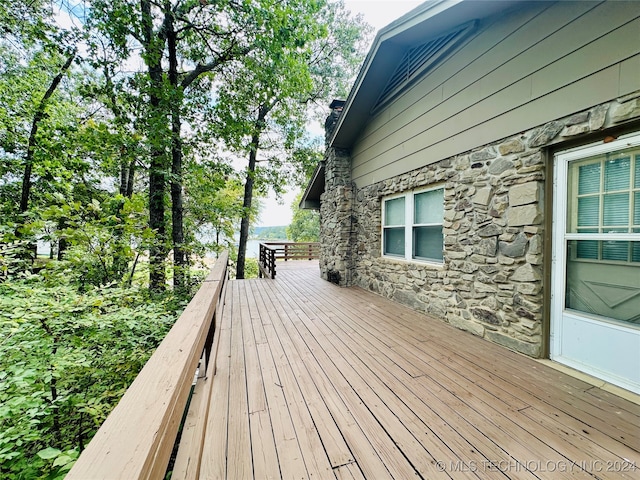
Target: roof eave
311 197
435 17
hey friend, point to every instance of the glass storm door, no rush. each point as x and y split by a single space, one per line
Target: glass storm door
595 301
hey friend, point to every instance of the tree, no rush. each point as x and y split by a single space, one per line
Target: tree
213 200
305 224
265 105
38 116
201 37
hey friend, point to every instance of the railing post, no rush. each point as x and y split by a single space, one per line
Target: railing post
272 263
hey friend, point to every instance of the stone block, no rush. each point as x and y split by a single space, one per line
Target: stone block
597 117
513 146
532 160
483 196
516 248
486 247
526 273
535 245
534 259
483 287
487 153
524 194
490 230
524 215
545 134
500 166
467 325
625 111
574 130
530 349
453 255
529 288
486 315
576 119
505 260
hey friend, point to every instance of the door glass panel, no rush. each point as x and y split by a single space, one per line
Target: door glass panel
607 288
587 249
635 252
588 211
615 251
589 178
602 275
616 209
617 174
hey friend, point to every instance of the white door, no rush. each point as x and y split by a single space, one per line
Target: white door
595 301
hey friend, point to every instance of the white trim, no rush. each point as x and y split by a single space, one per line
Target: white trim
408 225
624 141
558 260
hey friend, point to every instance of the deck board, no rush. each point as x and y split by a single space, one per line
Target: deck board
318 381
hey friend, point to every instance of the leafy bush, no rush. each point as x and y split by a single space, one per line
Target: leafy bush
66 358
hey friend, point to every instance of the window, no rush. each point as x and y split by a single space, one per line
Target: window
604 198
412 225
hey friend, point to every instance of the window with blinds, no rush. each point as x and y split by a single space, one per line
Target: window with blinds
604 198
412 225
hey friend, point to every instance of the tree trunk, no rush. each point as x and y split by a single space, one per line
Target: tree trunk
37 118
157 222
132 177
248 192
246 213
177 232
157 166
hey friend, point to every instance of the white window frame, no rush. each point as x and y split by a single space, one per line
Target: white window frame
409 204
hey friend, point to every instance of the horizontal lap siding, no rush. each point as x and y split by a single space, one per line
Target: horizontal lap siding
523 70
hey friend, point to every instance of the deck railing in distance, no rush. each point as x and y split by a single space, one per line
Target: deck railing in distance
137 438
272 251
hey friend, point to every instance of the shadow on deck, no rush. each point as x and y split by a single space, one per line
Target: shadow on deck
318 381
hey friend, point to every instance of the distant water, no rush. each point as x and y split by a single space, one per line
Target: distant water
253 247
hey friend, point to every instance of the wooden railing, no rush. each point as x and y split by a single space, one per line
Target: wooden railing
137 439
272 251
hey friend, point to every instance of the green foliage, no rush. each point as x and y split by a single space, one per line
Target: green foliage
100 237
251 268
65 360
214 204
305 224
270 233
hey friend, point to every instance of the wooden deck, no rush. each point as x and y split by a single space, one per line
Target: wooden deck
318 381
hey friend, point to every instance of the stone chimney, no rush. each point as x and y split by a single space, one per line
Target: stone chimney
332 120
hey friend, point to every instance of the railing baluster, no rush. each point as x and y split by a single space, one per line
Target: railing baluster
270 252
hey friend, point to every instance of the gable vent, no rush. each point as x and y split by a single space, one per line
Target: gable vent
418 60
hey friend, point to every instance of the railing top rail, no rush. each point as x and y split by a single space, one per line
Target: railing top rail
137 438
290 243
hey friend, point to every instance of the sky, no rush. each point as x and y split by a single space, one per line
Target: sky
378 13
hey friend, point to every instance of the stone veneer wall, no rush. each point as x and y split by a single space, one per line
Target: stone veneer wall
491 282
336 219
